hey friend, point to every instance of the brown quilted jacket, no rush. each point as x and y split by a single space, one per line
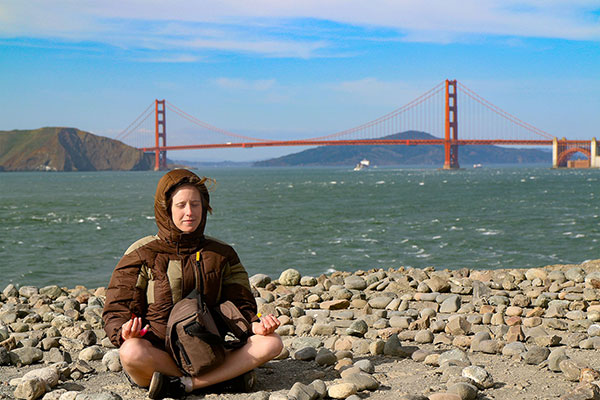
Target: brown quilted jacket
158 271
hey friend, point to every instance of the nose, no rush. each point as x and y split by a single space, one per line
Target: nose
188 209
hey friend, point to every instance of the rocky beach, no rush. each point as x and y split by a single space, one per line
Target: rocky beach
405 333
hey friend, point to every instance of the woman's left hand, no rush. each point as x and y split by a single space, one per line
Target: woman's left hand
266 325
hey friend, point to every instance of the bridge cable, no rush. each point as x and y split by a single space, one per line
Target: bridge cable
203 124
123 135
505 114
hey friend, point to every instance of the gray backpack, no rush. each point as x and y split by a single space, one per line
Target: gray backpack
197 335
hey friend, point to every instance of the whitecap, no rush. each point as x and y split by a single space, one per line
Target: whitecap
404 241
290 186
436 237
421 183
567 233
92 218
579 235
379 182
490 233
331 270
333 183
98 228
423 255
149 217
80 221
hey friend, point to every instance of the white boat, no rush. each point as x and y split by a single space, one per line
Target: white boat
362 165
476 165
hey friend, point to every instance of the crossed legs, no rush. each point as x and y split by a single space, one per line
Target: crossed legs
140 360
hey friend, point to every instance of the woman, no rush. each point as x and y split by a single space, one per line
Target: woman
157 271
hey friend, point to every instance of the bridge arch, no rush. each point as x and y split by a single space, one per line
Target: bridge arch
565 155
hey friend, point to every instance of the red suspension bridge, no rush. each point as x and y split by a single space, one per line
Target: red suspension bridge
435 112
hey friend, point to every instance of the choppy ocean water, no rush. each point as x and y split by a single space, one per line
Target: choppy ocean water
72 228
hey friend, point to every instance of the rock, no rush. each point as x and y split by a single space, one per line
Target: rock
479 376
466 391
454 357
334 304
393 347
444 396
587 391
362 381
48 375
354 282
289 277
91 353
341 390
30 389
457 325
306 354
365 365
25 356
513 349
491 346
570 369
555 357
112 361
424 336
325 357
380 302
437 284
299 391
322 330
320 387
535 355
451 304
357 328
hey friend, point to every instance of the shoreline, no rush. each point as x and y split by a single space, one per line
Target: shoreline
408 333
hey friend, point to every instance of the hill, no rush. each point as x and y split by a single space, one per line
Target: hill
67 149
407 155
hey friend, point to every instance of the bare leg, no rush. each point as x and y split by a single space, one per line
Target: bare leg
140 359
256 352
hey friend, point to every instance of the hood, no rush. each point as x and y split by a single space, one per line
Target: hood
167 230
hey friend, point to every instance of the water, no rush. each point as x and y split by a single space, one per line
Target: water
72 228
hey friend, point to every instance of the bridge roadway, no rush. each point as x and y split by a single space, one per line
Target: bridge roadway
364 142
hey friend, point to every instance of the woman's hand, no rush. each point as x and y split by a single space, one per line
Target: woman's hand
133 328
266 325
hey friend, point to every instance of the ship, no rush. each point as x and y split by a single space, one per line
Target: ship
362 165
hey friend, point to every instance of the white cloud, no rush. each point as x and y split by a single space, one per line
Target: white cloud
280 29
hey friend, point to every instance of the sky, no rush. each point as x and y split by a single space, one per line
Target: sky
292 69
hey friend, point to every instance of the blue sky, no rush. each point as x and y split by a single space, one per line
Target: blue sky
295 69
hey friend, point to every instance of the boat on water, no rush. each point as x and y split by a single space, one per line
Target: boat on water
477 165
362 164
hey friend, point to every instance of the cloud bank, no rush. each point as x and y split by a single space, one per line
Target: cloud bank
294 29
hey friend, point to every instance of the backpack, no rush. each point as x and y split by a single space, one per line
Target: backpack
197 335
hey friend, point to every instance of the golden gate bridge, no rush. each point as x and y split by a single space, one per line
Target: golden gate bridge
435 112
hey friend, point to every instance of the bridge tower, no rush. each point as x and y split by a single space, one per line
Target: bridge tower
563 149
451 127
160 132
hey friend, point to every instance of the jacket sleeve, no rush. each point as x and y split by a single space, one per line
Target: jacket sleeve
123 298
236 288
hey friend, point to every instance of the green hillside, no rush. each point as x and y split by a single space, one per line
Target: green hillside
67 149
407 155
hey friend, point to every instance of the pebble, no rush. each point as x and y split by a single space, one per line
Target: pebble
530 315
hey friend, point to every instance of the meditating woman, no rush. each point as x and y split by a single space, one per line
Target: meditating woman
158 271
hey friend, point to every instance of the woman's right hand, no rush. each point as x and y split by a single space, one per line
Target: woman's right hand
133 328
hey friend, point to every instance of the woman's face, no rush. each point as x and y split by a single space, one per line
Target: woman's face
186 208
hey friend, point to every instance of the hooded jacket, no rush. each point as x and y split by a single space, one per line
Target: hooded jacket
158 271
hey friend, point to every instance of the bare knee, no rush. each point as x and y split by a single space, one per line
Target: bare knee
271 345
133 351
